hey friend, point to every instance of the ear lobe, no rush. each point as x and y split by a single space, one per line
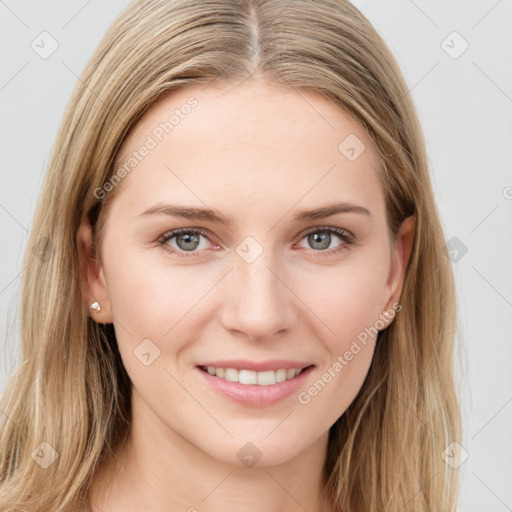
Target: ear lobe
400 258
92 278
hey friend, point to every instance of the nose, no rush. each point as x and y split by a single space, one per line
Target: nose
259 303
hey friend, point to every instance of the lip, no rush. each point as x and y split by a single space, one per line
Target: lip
242 364
254 395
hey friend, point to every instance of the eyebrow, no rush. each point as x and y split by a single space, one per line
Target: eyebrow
212 215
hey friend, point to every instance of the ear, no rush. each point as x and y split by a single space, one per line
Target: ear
92 278
400 255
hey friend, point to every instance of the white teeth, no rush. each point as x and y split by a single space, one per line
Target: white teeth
265 378
231 374
247 377
280 375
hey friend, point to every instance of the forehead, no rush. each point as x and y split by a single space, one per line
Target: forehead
239 141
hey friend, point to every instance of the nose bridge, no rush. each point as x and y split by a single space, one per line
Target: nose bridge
260 305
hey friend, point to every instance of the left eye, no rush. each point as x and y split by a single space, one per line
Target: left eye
322 238
189 240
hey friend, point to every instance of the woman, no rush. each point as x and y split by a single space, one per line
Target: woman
240 296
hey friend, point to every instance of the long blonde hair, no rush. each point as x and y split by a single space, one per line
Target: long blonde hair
70 397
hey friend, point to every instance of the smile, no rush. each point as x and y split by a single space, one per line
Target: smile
255 384
248 377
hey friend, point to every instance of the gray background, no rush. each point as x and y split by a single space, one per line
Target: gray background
465 106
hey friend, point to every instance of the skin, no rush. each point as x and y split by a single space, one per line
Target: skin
258 153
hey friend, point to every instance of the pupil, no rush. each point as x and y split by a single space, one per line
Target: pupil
324 239
188 239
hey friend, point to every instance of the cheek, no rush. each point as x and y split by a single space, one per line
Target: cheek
347 300
350 310
154 310
337 384
348 304
148 298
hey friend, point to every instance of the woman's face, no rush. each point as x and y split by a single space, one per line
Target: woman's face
258 278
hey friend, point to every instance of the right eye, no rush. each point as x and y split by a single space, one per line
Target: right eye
186 241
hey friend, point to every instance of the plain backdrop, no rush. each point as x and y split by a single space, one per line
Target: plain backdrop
455 56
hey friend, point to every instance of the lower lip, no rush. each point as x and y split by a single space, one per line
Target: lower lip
254 394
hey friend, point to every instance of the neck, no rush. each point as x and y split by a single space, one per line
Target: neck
160 470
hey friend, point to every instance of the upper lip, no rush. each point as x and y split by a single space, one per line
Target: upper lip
241 364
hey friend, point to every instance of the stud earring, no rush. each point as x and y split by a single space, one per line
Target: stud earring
95 306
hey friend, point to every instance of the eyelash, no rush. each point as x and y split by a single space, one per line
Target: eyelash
343 234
